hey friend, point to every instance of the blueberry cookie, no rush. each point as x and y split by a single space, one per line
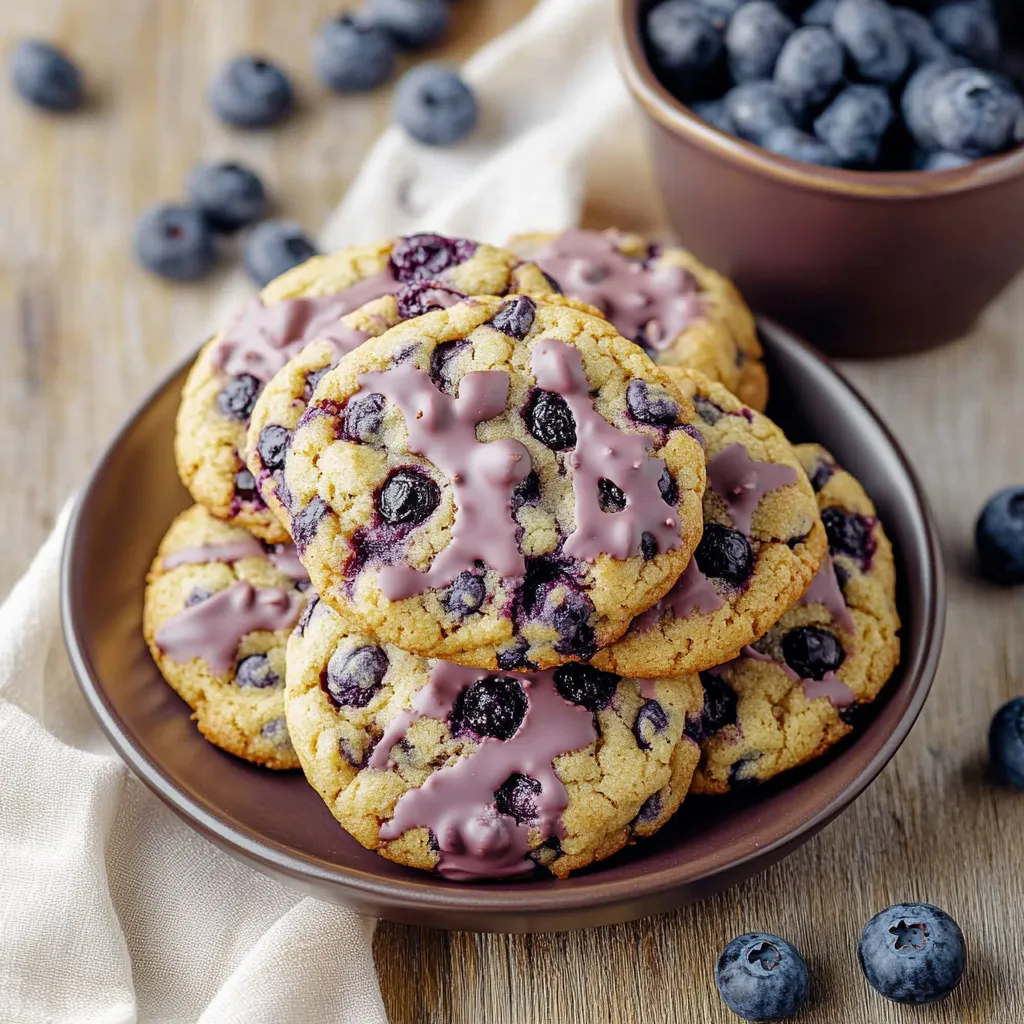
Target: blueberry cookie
763 542
663 298
482 776
797 691
503 484
310 303
218 611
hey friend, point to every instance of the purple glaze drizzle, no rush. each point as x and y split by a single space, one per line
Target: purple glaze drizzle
649 304
830 685
824 589
228 552
443 429
213 629
693 594
604 452
741 482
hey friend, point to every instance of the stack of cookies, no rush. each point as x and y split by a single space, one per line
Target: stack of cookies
500 548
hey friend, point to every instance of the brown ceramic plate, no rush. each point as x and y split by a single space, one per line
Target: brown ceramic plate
278 824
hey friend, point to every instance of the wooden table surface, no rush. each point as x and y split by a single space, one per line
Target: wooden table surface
83 333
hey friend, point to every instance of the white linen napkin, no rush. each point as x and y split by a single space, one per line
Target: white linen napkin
111 909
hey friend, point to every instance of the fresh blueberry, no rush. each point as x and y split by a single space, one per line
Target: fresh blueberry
426 257
273 247
754 40
854 122
306 523
245 488
435 106
650 720
550 420
585 685
725 554
972 114
494 706
363 417
716 113
651 405
517 797
821 12
684 40
251 92
912 953
353 676
353 54
939 160
570 616
408 496
174 241
850 534
465 595
809 68
762 977
667 488
812 652
968 28
719 705
798 145
256 672
916 103
1006 744
999 536
720 11
758 108
920 37
238 397
868 30
515 318
609 496
228 195
273 446
413 24
44 76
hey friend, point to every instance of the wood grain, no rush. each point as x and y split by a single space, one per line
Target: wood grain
83 333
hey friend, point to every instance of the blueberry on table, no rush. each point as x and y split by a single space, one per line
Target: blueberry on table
868 30
174 241
912 953
757 108
251 92
754 40
970 29
435 106
854 122
683 39
228 195
352 54
273 247
969 112
798 145
999 536
413 24
810 67
920 37
762 977
1006 744
44 76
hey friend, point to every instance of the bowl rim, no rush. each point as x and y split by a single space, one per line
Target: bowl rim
674 116
501 909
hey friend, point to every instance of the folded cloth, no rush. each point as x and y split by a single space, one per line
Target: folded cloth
113 910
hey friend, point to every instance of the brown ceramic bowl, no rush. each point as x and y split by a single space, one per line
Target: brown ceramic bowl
276 822
861 263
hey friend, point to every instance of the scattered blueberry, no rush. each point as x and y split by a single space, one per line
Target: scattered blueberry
352 54
715 112
273 446
999 536
1006 744
413 24
609 496
821 12
754 40
651 405
756 109
174 241
353 676
972 114
650 720
854 122
238 397
256 672
408 496
850 534
273 247
494 706
251 92
809 68
912 953
868 30
812 652
725 554
920 37
435 106
684 40
968 28
465 595
515 318
426 257
762 977
517 797
44 76
585 685
550 420
798 145
228 195
363 417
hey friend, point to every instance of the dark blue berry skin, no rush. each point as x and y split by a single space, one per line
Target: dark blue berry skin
515 318
820 12
915 104
251 92
435 106
920 37
273 446
941 160
517 797
273 247
465 595
969 112
756 109
256 672
999 537
854 123
550 420
869 32
725 554
684 41
407 496
762 977
754 40
650 405
715 112
494 706
228 195
809 68
174 241
238 397
812 652
798 145
44 76
912 953
353 54
353 677
970 29
720 11
1006 744
585 685
413 24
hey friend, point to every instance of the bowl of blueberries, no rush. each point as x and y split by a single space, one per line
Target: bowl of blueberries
856 166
